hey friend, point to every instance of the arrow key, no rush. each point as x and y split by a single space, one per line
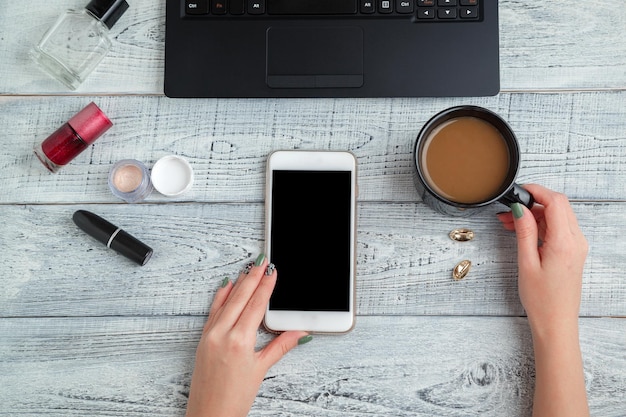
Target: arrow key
446 13
469 12
425 13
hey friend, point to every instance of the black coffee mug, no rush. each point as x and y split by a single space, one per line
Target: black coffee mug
508 192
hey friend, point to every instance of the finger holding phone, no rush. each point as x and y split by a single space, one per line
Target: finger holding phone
228 370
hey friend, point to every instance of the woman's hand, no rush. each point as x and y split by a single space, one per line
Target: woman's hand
228 371
550 274
551 255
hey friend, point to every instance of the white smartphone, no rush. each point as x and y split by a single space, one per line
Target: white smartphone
310 210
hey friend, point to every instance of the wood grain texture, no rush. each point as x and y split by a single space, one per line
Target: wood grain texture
404 260
549 45
134 64
573 142
136 366
84 331
557 46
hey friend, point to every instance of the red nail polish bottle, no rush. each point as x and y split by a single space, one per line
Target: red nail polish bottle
73 137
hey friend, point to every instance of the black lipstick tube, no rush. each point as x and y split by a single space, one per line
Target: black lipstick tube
112 236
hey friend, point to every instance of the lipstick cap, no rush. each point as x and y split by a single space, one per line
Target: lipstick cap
94 225
90 123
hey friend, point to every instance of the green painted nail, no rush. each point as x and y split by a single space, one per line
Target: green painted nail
305 339
259 260
225 282
517 210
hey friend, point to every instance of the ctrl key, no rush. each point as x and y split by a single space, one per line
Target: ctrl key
197 7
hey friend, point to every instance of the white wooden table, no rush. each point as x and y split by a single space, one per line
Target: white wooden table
84 331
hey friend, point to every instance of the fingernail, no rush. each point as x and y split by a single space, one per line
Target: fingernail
270 269
225 282
247 268
517 210
259 260
305 339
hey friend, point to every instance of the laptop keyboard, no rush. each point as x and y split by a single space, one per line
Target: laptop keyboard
421 10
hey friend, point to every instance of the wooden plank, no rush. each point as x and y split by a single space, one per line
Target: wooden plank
134 64
547 47
388 366
559 46
404 260
575 143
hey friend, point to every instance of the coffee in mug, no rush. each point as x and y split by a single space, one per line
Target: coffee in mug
467 157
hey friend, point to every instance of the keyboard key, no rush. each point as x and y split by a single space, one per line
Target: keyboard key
404 6
236 7
197 7
425 3
218 6
446 2
425 13
367 6
384 6
312 6
447 13
469 12
469 2
256 6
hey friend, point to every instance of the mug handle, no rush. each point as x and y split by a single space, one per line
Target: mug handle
517 194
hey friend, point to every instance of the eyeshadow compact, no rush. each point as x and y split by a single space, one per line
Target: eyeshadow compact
132 181
129 180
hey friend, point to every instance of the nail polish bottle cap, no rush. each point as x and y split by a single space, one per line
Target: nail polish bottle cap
172 176
107 11
90 123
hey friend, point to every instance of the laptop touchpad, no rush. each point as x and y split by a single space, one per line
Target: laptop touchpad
314 57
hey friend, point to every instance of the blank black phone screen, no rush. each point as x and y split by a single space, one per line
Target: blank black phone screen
310 240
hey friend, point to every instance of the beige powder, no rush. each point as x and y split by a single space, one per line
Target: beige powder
127 178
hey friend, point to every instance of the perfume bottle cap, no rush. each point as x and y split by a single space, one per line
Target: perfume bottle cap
107 11
90 123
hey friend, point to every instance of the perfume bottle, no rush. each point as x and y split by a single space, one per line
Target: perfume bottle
78 41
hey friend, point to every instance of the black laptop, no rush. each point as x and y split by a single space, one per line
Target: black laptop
331 48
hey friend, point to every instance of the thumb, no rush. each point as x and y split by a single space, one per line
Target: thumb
527 236
282 344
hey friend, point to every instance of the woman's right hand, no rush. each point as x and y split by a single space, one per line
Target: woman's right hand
551 255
